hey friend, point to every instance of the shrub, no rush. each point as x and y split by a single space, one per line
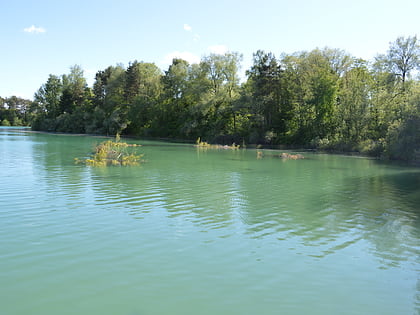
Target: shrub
112 153
5 122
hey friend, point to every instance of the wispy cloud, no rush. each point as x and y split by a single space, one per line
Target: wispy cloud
218 49
34 29
187 28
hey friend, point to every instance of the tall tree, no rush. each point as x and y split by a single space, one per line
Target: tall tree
143 87
223 82
403 56
100 86
74 90
48 96
264 78
109 115
354 104
173 104
142 79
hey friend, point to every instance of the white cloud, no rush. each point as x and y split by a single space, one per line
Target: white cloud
187 28
218 49
34 29
186 55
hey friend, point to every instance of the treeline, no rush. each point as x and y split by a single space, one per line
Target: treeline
323 98
14 111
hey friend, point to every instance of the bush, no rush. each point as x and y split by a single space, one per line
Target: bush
371 147
112 153
5 122
404 140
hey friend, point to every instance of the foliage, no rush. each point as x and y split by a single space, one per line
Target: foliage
205 145
112 153
322 98
15 111
5 122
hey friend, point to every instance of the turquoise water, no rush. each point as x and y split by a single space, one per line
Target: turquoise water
204 232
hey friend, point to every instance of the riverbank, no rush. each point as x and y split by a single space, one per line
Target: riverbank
277 147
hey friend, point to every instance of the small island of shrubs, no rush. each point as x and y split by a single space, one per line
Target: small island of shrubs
112 153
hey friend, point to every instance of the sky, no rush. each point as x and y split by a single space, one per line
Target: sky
44 37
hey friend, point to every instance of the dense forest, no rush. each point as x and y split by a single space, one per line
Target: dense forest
322 99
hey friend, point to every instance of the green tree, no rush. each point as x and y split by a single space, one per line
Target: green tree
108 99
173 104
74 90
142 79
403 136
49 95
404 56
313 94
143 89
264 81
354 104
223 89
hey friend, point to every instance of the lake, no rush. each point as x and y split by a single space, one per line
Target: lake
196 231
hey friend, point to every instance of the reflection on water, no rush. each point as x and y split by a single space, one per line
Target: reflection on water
188 225
325 207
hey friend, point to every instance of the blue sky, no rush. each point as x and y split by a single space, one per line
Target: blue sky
47 37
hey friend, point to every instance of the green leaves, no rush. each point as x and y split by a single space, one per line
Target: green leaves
323 98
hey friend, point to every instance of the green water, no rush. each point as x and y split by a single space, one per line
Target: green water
204 232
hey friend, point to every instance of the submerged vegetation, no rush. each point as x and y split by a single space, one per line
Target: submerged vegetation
112 153
323 99
288 156
284 156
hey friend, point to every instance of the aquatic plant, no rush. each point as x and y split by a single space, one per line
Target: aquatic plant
283 156
204 145
112 153
288 156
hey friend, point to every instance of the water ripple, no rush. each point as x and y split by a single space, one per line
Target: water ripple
220 232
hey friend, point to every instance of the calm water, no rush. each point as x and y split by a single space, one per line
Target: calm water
195 232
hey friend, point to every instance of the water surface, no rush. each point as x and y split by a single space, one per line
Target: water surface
204 232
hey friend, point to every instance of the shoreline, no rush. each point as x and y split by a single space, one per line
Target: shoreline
274 147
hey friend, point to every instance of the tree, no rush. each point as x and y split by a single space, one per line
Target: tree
74 90
354 104
403 56
264 78
100 86
109 101
48 96
322 97
313 95
173 104
143 87
221 76
340 62
142 78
